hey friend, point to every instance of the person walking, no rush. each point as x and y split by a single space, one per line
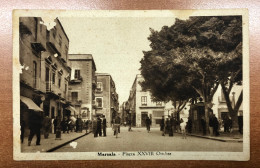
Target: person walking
203 125
240 124
55 123
104 126
189 125
172 122
230 123
22 124
162 126
35 124
226 124
116 124
99 126
215 125
63 125
130 126
94 127
77 124
46 126
211 125
167 125
183 129
87 127
148 124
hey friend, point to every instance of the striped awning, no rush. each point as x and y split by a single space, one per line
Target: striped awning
30 104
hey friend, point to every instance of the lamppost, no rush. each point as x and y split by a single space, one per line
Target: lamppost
58 129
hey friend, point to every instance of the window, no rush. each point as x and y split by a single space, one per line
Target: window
74 96
60 40
144 100
54 32
34 74
99 101
66 51
99 86
59 82
65 89
40 27
53 78
77 74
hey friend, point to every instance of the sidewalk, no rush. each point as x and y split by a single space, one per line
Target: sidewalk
47 145
224 137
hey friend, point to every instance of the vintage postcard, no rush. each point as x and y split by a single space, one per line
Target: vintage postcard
131 85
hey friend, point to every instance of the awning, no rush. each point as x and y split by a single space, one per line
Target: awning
30 104
70 108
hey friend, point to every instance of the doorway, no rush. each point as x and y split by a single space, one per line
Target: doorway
144 115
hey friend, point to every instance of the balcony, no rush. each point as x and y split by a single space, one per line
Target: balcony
55 90
76 80
38 47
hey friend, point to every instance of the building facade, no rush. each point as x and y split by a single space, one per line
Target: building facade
82 84
140 106
106 97
45 73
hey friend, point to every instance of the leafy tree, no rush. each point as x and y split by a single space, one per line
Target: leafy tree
193 55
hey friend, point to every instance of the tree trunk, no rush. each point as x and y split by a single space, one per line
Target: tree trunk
232 111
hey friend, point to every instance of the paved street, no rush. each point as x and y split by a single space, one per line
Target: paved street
140 140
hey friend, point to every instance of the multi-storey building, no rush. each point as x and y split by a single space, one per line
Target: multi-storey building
82 84
32 42
55 71
45 77
106 98
140 106
125 112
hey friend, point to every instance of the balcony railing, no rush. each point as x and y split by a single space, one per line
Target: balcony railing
76 80
50 87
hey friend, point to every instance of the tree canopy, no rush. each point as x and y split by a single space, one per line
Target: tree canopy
192 57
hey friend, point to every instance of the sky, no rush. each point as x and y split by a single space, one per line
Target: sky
116 44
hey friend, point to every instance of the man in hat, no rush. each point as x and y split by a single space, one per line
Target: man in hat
35 124
104 125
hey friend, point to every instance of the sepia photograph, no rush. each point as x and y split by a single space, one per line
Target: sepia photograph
131 85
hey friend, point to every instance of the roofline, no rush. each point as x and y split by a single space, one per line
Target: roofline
77 59
63 29
106 74
103 74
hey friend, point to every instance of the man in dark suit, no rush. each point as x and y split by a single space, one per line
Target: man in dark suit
104 124
35 124
99 130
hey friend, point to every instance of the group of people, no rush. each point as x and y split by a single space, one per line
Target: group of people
172 124
213 125
227 122
99 125
37 123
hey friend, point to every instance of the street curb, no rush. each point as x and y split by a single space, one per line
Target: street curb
65 143
217 139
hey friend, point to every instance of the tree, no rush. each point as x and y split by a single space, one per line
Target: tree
190 55
231 78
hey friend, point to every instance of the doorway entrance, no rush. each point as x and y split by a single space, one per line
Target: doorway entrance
144 115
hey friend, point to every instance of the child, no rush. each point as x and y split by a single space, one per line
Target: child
183 129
